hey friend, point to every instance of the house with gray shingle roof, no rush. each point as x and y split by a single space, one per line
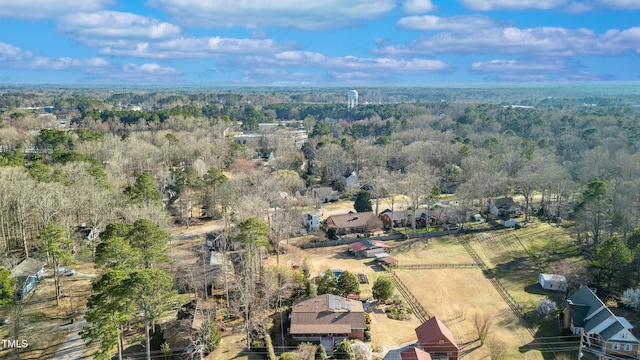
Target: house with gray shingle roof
609 335
27 273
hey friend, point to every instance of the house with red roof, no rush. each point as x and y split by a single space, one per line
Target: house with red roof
368 248
415 354
436 339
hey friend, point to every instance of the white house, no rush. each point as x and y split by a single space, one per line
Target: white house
552 282
509 223
351 180
312 222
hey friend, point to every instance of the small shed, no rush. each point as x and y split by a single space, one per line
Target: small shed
381 255
509 223
552 282
389 261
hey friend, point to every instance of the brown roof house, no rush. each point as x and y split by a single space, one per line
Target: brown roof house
415 354
436 339
353 222
327 318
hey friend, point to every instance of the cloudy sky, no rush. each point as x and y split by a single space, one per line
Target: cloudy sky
318 42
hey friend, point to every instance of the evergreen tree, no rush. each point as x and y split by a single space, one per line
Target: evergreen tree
363 202
382 288
348 283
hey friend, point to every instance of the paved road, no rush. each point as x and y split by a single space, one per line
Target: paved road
73 347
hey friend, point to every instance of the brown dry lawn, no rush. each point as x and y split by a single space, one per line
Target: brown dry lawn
456 296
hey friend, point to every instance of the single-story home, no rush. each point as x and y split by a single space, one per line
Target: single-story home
368 248
585 314
352 222
27 273
395 218
324 194
436 339
553 282
327 318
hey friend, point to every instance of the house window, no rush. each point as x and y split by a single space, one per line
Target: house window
628 347
441 342
615 346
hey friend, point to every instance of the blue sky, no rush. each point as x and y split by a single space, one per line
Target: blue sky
318 42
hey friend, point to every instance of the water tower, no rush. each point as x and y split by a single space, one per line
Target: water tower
352 99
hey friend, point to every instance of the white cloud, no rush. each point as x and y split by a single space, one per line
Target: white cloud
42 9
555 41
14 57
490 5
190 47
460 23
114 24
622 4
535 69
417 6
306 59
97 70
306 15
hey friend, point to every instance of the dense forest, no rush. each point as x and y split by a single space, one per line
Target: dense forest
133 162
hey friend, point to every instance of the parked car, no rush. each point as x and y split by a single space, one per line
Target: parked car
4 320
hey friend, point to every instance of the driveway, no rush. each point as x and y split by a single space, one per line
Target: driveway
73 347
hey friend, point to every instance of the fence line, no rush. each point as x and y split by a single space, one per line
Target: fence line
435 266
502 291
421 313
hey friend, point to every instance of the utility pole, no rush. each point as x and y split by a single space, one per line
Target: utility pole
580 345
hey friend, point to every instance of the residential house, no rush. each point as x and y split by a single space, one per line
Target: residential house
395 218
436 339
27 273
425 220
327 318
179 334
350 179
553 282
353 222
312 222
324 195
368 248
415 354
504 207
605 333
